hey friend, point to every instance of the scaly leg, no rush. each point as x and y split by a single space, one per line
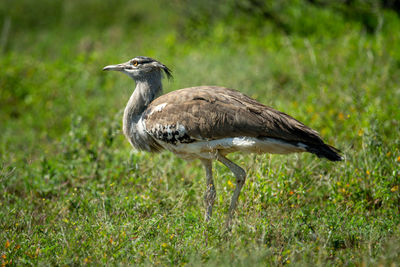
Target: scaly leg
210 194
240 175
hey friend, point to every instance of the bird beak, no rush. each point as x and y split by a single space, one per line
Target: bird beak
118 67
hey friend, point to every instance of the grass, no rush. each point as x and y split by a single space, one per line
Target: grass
73 192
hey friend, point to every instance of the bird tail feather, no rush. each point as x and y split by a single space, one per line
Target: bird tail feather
325 151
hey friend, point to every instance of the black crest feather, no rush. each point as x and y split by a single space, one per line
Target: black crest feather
142 60
167 71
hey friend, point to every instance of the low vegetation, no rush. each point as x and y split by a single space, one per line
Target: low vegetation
73 192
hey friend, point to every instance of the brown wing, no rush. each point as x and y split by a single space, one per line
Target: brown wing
209 113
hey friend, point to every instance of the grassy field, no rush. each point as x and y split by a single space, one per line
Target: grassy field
73 192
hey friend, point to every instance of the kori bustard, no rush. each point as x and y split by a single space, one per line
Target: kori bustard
207 123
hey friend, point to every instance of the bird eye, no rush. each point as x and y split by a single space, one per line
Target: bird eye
134 63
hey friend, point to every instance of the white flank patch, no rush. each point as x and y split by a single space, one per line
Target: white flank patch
207 149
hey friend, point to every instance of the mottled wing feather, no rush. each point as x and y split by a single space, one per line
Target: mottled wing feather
210 113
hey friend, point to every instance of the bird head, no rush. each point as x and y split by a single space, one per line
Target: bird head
140 67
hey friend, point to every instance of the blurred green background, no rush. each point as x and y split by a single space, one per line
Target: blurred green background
73 192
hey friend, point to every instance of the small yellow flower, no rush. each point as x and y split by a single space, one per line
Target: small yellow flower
360 132
172 236
388 154
87 260
164 245
398 159
7 244
367 172
231 185
341 116
394 188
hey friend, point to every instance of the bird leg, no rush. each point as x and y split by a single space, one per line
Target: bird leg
240 175
210 194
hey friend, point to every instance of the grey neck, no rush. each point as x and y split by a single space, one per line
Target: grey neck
148 87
